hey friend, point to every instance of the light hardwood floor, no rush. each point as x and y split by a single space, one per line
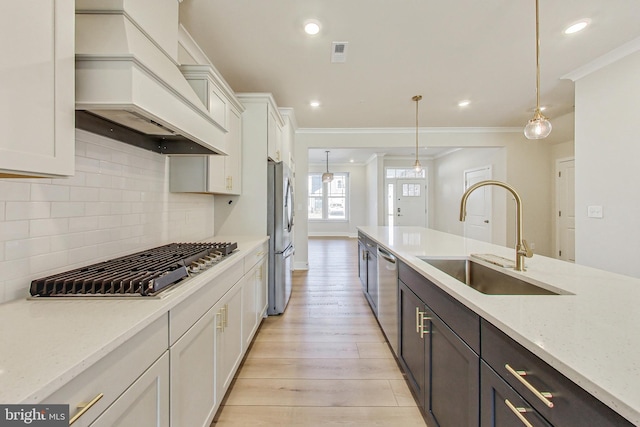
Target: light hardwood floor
325 360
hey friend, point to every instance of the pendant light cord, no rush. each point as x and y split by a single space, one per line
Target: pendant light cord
537 58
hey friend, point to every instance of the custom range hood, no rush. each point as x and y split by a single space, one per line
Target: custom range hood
128 84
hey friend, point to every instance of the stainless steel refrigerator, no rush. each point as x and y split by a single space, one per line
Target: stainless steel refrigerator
280 229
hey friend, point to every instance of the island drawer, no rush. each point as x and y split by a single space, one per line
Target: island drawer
569 404
456 315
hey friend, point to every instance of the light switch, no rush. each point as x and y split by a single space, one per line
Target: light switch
594 211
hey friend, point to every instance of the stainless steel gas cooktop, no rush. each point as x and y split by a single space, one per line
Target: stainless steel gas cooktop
141 274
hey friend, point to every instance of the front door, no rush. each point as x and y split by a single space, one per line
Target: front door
411 203
477 225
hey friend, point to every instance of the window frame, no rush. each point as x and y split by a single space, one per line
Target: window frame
325 197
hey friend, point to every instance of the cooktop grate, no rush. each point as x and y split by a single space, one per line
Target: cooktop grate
143 273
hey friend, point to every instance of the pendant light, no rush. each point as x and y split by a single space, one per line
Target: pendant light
539 126
327 176
417 166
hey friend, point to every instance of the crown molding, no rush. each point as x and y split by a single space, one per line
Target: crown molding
604 60
397 131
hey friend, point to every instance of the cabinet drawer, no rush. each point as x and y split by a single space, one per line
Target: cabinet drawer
501 405
456 315
114 373
572 405
185 314
255 256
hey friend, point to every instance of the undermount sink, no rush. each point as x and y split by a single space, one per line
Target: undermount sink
487 280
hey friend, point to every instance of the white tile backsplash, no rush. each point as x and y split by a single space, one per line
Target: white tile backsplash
116 203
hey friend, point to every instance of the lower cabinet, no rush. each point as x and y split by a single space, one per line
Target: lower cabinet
193 376
229 349
442 370
502 406
145 403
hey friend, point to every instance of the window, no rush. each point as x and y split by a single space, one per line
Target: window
328 201
405 173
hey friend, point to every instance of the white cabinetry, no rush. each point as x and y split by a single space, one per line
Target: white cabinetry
145 403
212 174
254 300
193 388
37 106
118 372
229 348
288 136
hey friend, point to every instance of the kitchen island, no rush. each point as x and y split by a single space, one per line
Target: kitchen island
588 333
68 350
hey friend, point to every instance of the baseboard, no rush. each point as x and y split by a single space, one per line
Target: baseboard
300 266
333 234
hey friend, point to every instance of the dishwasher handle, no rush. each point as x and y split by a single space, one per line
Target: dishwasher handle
386 255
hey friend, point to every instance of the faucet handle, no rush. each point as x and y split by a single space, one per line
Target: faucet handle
525 249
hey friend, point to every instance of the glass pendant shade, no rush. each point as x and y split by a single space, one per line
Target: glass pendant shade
327 177
417 166
538 127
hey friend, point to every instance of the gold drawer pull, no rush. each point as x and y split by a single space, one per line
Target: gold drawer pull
84 407
544 396
518 413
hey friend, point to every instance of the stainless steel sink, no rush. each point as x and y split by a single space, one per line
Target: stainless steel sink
487 280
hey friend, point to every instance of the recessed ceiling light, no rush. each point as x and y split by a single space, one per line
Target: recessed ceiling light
464 103
315 104
312 27
578 26
351 161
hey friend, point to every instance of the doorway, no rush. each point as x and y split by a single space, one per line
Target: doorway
406 197
565 217
477 225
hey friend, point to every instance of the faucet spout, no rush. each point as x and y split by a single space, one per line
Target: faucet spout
522 249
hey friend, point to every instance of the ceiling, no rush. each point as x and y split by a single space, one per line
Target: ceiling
447 51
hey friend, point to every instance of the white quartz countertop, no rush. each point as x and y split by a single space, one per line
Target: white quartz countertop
591 335
45 343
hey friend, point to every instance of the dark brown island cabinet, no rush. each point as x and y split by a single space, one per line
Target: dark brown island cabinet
368 269
463 371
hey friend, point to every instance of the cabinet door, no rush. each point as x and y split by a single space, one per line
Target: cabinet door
262 288
193 382
249 307
362 264
274 136
452 377
412 345
502 406
145 403
233 162
37 69
229 338
372 279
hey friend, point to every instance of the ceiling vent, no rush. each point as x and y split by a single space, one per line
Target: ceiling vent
339 52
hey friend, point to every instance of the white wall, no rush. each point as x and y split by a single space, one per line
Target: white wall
357 208
117 203
448 187
607 173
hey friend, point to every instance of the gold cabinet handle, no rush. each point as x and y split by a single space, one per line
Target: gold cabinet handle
544 396
418 320
219 324
223 315
84 407
226 315
518 411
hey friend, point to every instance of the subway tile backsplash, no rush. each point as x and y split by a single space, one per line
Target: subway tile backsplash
118 202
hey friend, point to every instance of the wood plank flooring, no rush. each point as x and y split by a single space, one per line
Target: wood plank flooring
325 360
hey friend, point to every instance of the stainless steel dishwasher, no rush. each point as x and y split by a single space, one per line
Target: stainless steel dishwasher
388 296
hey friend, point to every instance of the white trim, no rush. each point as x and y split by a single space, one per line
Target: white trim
332 234
447 130
604 60
556 204
300 266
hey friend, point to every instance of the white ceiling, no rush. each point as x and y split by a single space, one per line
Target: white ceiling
446 51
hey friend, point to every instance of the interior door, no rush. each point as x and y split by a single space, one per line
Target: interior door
477 225
411 203
566 218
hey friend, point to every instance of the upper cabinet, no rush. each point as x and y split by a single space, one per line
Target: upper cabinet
37 80
288 137
210 174
266 125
